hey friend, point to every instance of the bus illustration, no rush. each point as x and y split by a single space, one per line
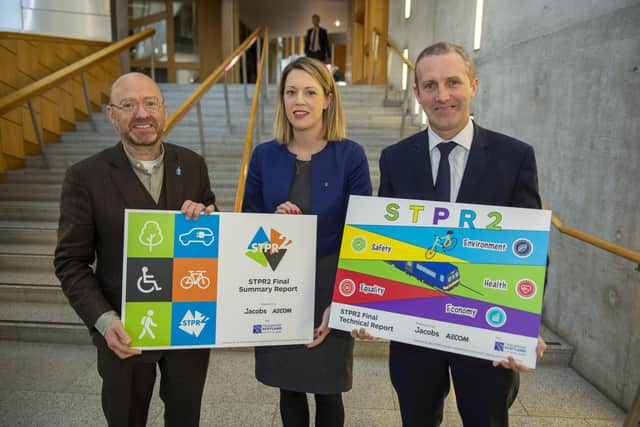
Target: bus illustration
441 275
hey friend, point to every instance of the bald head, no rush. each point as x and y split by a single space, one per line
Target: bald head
123 86
138 114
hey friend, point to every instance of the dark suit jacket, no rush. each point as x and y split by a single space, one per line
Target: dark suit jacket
500 171
325 52
95 193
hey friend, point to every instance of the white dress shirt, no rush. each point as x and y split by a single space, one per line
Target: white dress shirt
457 158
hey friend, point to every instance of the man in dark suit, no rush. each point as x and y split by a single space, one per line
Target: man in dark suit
316 42
140 172
455 160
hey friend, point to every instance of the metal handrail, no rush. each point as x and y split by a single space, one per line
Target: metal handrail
22 96
252 118
197 94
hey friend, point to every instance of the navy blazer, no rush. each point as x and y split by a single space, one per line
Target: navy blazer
323 41
340 169
500 171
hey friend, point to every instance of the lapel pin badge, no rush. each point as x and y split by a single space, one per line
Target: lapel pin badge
178 171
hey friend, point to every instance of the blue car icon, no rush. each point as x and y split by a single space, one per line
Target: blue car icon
200 235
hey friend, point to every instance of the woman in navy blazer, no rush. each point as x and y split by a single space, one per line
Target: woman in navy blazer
309 168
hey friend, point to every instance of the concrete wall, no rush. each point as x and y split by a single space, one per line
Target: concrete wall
565 77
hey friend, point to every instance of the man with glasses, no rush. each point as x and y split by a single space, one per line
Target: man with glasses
140 172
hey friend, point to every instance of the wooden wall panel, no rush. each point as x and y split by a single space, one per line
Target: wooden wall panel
27 58
50 116
11 137
8 70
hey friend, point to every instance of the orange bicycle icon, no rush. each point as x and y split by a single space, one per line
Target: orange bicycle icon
195 278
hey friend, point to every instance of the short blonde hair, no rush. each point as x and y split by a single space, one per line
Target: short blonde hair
333 124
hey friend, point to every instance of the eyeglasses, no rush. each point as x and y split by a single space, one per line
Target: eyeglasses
151 104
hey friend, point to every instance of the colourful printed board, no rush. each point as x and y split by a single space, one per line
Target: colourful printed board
457 277
224 280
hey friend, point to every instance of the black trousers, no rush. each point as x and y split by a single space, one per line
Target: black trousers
127 385
320 55
421 379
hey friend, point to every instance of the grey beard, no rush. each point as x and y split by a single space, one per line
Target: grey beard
131 139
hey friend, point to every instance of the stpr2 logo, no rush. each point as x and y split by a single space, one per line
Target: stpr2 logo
268 250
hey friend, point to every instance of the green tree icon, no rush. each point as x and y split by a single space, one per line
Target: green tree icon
150 235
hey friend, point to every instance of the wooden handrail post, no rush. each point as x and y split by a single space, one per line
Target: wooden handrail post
226 101
152 62
201 129
244 75
374 56
260 102
87 101
266 74
36 127
389 62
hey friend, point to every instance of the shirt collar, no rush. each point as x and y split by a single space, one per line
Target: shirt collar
463 138
137 164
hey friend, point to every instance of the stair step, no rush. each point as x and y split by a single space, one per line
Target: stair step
44 332
29 269
49 294
23 240
29 211
38 312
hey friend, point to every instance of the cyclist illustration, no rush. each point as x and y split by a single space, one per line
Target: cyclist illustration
147 279
197 278
445 244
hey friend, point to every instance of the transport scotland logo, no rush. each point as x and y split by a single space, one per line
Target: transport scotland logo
268 249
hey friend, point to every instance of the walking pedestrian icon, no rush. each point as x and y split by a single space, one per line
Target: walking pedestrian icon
147 322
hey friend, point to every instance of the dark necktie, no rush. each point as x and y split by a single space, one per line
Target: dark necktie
443 180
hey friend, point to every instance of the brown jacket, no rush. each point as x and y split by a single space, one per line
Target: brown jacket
95 193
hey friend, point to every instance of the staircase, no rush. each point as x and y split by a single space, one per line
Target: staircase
32 306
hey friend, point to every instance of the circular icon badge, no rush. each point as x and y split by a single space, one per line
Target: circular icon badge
496 317
347 287
522 248
526 288
358 244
